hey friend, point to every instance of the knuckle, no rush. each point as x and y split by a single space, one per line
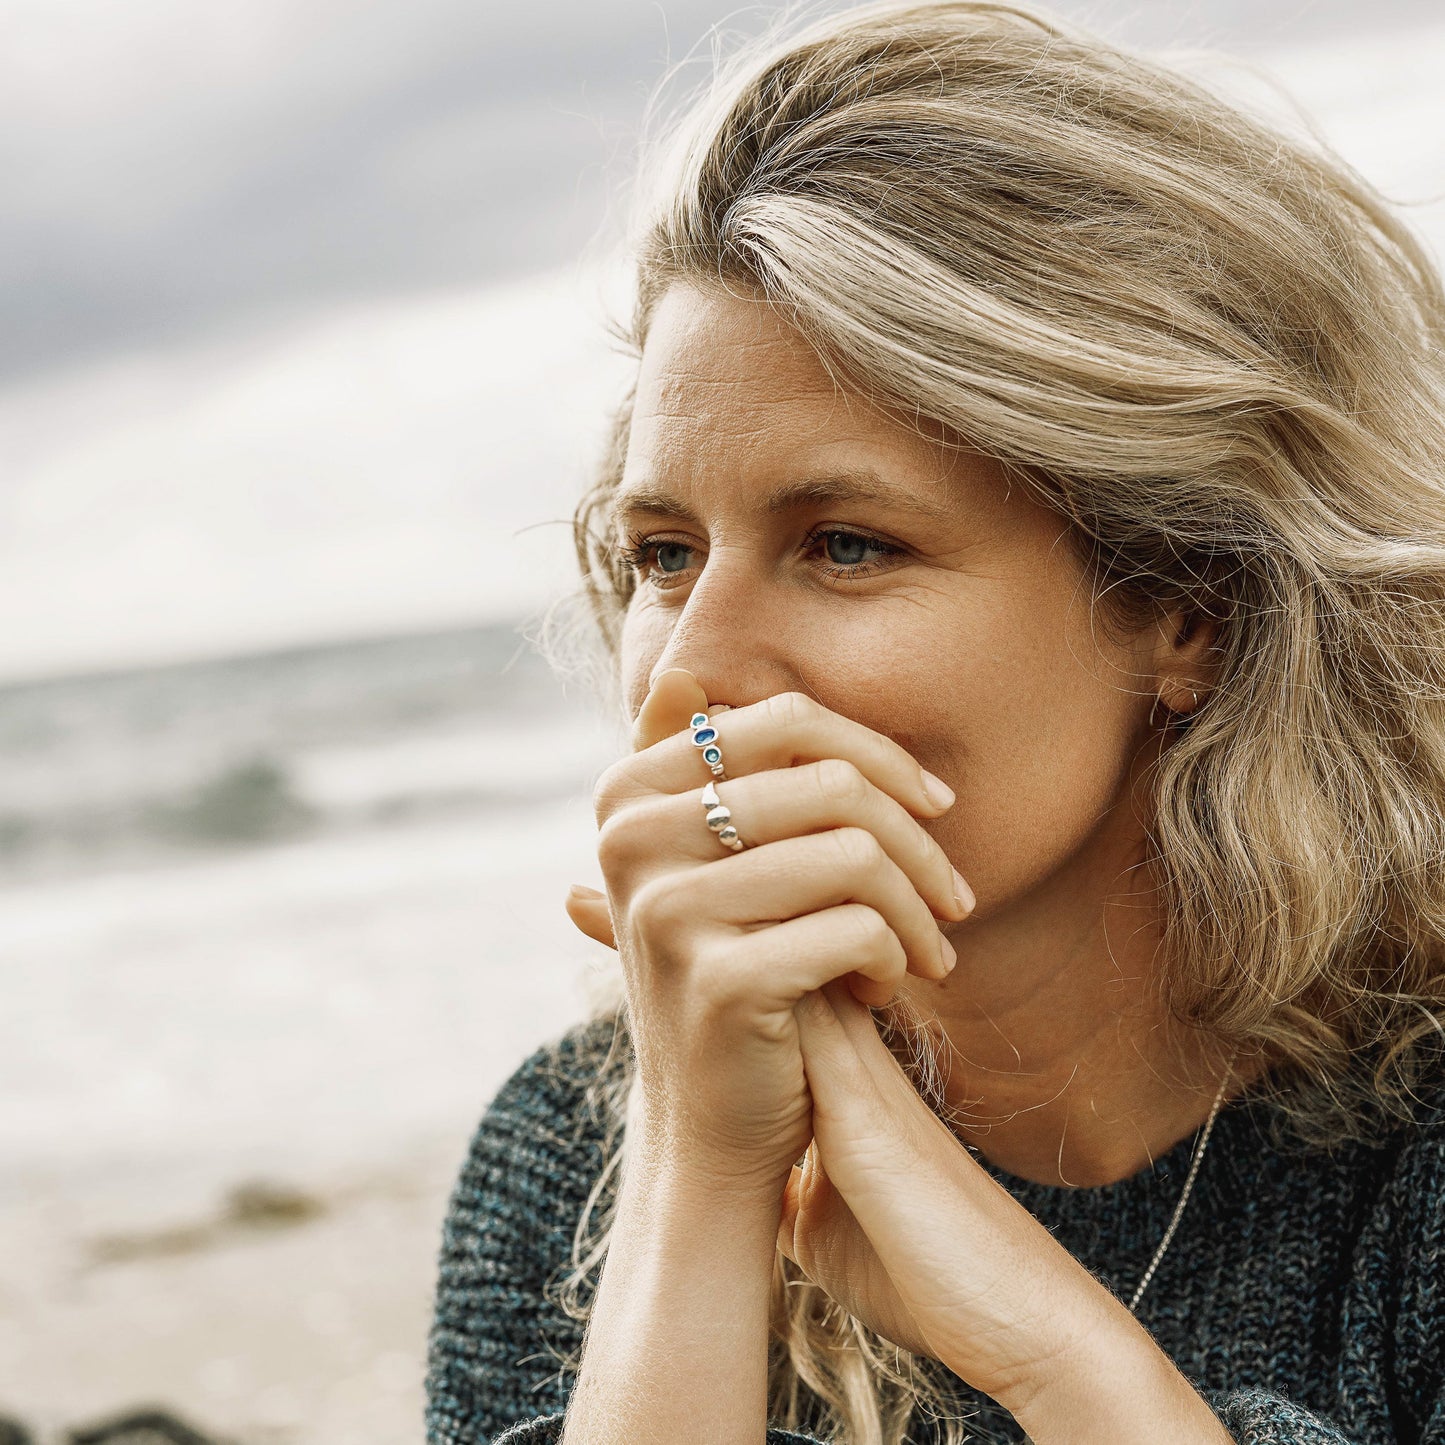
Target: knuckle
655 906
858 849
871 932
613 842
635 833
839 780
897 958
612 788
790 709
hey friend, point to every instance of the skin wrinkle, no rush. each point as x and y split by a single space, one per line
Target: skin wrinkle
1071 1076
860 485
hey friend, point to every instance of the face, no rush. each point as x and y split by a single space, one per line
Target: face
791 537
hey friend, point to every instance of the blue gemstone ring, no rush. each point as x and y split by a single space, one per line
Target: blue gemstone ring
720 820
704 736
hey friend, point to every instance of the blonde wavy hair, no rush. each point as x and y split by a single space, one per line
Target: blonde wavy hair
1214 350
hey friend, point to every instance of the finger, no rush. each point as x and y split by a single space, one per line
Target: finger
792 1207
838 1079
813 1213
865 1033
839 1028
675 696
588 909
859 1128
863 1102
794 802
797 876
775 967
789 729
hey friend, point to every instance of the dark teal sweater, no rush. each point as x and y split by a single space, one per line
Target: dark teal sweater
1304 1293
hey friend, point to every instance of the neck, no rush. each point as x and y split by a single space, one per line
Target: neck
1062 1067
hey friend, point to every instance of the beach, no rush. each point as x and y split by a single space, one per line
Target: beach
239 1077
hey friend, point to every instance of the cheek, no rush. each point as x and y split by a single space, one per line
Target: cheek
644 637
888 681
1039 754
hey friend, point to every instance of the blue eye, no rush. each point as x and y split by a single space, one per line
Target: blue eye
844 555
846 548
656 560
852 554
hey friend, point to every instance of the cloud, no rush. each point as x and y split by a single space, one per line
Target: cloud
389 465
167 167
170 168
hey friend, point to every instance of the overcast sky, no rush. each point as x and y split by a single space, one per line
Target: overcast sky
222 225
167 168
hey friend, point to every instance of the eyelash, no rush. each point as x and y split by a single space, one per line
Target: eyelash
639 548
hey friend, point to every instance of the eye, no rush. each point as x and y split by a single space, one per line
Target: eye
655 559
852 554
841 552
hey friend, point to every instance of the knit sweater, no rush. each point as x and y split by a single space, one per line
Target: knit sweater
1303 1295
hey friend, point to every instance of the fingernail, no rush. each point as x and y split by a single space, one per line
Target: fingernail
581 890
962 893
939 793
948 953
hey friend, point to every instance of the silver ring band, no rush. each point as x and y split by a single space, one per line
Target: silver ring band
720 820
704 736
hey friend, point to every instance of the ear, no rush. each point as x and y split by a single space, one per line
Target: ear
1187 659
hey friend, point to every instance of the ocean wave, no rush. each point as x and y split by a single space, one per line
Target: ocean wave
250 752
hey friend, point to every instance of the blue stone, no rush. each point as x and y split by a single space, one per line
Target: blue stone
699 720
704 735
711 756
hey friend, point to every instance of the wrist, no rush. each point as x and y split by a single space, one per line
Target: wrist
1113 1386
677 1345
686 1196
664 1163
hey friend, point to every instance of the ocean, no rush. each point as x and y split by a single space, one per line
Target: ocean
140 768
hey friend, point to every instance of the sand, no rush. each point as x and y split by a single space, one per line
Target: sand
234 1095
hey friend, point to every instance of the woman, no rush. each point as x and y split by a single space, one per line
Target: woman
1024 554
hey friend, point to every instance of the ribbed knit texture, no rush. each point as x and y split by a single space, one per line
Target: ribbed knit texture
1302 1294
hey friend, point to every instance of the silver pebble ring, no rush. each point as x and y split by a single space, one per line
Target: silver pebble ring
719 819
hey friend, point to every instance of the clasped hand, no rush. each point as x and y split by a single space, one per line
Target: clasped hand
750 978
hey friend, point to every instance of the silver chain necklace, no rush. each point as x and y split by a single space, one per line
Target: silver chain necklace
1188 1185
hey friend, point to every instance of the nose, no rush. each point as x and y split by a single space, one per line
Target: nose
730 636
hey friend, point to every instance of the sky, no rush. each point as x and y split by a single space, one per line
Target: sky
302 301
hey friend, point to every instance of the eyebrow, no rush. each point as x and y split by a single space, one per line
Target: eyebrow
845 486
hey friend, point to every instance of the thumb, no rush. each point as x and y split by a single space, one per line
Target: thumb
668 708
810 1207
587 908
788 1223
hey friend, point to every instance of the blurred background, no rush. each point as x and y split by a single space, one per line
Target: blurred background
302 365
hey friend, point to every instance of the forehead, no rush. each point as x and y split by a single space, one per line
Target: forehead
708 353
727 386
